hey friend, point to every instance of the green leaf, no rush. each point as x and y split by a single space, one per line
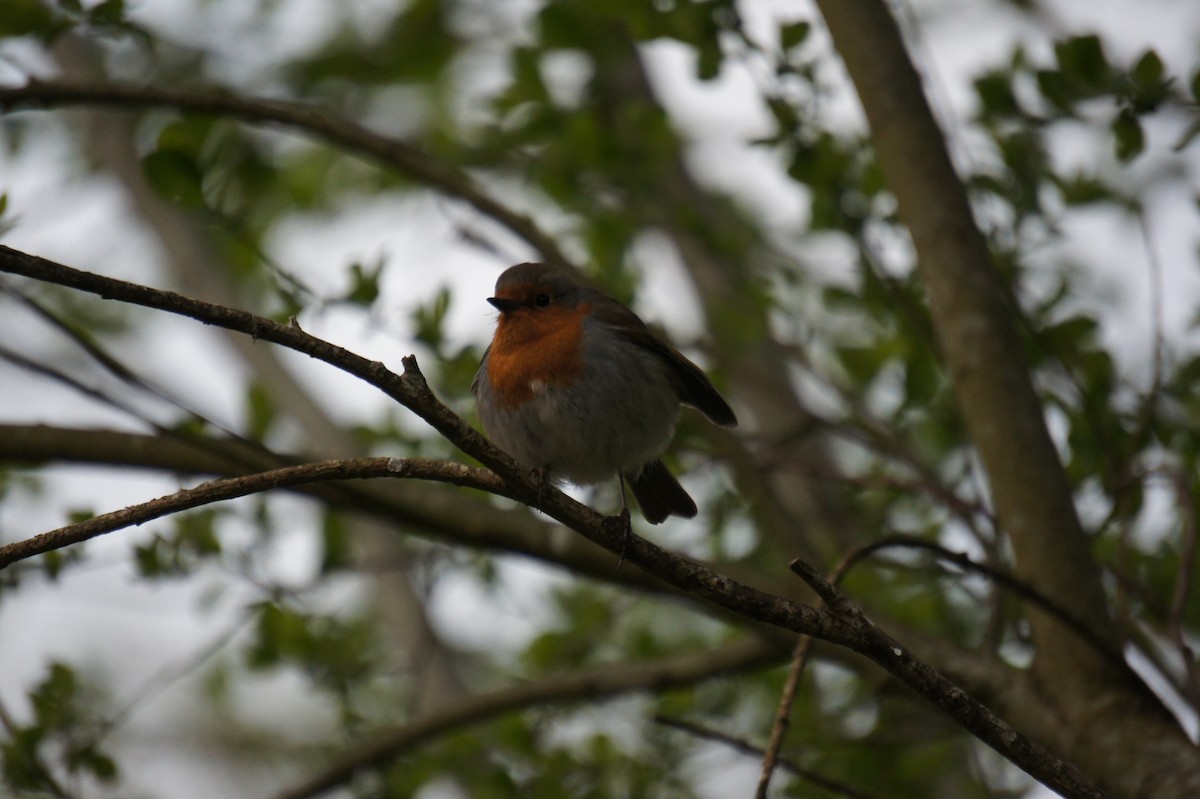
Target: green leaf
364 283
335 538
31 18
1084 189
188 134
412 47
146 558
1129 138
54 698
792 34
89 759
193 541
278 633
197 533
332 651
709 62
22 769
110 12
77 515
1082 61
1056 88
429 318
1150 84
54 561
176 176
996 97
1148 72
260 411
1186 138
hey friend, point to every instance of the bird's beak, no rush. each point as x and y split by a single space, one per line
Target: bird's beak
502 305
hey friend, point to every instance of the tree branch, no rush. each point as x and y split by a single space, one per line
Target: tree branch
971 313
393 153
233 487
191 252
410 390
1184 577
431 512
594 683
998 576
783 715
833 786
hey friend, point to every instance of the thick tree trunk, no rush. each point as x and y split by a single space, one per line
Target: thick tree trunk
1107 723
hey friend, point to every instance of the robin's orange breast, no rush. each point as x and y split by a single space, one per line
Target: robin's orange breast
535 348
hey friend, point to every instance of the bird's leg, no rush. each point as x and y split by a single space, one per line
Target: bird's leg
626 522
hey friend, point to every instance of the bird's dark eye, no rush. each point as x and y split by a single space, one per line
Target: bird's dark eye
541 300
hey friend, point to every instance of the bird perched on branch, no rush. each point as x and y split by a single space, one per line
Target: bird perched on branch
576 386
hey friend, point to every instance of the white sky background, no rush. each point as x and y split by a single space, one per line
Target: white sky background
100 616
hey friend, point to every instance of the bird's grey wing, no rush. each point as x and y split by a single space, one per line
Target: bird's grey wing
693 385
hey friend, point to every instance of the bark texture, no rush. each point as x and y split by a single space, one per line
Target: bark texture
1106 722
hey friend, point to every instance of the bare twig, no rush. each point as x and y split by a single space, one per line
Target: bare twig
428 512
1154 266
972 313
409 390
825 589
593 683
867 430
1184 577
166 677
233 487
106 360
852 631
783 715
1002 578
393 153
739 745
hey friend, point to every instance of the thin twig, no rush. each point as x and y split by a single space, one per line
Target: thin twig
106 360
866 430
1154 266
834 599
394 153
410 390
1180 596
592 683
829 594
1014 584
423 511
827 591
233 487
166 677
783 715
743 746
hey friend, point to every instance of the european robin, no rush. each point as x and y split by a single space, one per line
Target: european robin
576 386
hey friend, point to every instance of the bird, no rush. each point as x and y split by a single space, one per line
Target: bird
575 386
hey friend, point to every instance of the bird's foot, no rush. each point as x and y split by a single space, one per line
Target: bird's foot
626 535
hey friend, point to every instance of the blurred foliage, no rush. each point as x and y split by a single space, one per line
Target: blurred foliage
178 554
62 737
546 107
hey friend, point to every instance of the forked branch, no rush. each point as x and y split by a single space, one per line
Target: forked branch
842 625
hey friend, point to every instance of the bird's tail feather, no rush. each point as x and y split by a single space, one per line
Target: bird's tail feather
659 494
